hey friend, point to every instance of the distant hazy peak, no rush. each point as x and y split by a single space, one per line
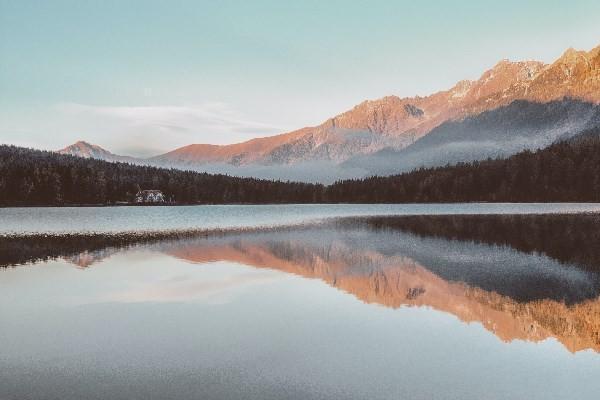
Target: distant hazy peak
84 149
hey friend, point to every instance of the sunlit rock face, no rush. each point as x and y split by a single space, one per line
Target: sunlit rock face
574 74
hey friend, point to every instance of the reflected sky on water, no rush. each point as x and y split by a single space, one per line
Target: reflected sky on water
357 309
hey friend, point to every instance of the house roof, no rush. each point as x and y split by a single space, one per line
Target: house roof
152 191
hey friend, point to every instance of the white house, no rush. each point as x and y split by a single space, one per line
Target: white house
149 196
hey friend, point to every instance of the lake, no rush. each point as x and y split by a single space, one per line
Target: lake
466 301
119 219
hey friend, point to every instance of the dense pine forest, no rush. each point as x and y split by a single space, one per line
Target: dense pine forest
32 177
565 171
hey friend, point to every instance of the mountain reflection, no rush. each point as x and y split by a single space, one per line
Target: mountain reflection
397 270
521 277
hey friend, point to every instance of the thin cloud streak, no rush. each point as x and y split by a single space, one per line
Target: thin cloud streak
160 128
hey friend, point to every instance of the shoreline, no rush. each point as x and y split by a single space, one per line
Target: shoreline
100 205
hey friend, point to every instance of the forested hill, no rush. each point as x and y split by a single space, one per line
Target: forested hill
565 171
33 177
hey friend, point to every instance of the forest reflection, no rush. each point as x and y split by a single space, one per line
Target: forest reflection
522 277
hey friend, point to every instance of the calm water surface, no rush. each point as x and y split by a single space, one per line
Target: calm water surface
410 307
116 219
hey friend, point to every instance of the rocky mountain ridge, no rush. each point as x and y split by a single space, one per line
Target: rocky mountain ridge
392 122
397 122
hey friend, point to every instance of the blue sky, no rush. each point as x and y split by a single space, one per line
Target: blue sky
141 77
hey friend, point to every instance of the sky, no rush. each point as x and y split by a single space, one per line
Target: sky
144 77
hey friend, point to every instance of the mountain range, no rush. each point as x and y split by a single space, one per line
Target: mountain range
513 106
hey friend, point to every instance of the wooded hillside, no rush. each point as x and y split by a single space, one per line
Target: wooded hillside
565 171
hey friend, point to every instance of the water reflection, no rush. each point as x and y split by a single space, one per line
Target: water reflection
521 277
513 294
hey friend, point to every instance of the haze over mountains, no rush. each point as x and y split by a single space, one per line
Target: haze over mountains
511 107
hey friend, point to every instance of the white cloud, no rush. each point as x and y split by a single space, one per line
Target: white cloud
140 130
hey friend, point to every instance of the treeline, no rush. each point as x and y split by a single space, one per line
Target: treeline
32 177
565 171
569 238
